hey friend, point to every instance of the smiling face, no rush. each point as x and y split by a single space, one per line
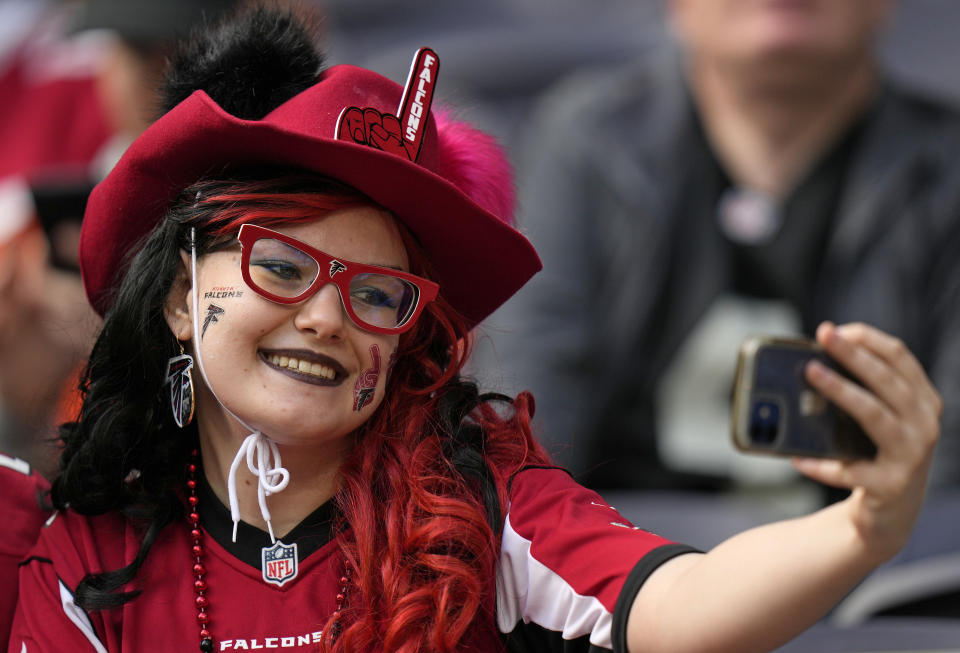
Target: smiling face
301 373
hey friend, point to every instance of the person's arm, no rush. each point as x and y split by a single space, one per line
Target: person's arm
762 587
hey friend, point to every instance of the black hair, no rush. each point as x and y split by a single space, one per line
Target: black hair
248 65
123 453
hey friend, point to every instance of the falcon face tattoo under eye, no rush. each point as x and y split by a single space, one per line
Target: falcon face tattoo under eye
366 384
213 311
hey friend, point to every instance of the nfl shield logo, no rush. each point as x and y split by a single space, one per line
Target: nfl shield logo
279 563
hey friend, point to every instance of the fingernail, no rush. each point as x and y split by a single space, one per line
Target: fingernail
839 334
845 332
816 369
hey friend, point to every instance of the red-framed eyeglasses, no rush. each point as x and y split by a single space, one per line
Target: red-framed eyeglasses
288 271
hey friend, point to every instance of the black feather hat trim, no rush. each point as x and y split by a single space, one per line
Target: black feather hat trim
249 64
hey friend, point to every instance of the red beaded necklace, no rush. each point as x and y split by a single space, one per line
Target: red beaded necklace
200 586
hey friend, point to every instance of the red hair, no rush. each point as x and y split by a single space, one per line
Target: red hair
424 578
228 205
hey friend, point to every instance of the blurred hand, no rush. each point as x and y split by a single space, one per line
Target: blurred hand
46 327
22 262
900 410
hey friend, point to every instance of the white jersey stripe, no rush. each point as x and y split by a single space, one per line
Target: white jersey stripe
15 464
80 619
529 590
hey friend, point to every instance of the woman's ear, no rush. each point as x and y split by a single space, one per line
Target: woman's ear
177 309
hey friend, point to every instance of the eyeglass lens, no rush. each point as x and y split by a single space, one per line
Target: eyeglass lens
380 300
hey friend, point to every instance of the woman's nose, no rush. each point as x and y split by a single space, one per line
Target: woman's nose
323 314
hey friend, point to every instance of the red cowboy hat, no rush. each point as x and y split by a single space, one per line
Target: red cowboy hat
479 258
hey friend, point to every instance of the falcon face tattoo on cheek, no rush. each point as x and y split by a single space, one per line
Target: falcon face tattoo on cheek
366 383
212 312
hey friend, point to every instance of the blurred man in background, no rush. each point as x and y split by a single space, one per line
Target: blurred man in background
765 178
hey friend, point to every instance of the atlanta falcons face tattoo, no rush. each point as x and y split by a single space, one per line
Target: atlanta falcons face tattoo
366 383
212 312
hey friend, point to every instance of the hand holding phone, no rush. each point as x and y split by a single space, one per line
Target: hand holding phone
775 410
896 403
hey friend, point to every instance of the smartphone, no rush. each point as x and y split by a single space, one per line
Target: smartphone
775 410
60 206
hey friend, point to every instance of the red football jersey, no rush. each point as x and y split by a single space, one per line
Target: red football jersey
22 519
570 566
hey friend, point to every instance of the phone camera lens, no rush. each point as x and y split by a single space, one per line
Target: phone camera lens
764 422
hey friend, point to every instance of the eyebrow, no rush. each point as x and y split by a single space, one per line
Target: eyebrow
379 265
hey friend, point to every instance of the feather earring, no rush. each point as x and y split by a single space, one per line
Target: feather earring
181 387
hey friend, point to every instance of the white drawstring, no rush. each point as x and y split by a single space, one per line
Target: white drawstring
258 448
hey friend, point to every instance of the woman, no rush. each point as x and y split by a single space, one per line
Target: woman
276 450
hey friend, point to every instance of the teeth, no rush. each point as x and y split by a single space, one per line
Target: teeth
304 367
